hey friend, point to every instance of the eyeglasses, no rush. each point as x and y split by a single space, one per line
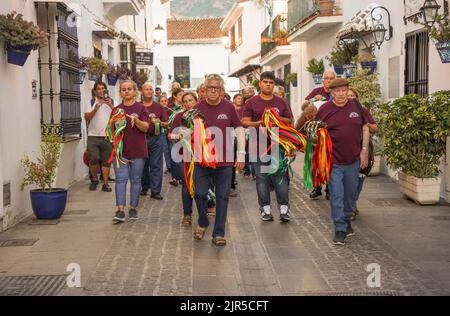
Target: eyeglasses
213 88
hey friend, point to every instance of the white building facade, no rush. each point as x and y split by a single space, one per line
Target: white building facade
44 99
196 49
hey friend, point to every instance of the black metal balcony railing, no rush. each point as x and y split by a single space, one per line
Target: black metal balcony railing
267 43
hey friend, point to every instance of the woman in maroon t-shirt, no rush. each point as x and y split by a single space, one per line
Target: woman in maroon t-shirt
134 151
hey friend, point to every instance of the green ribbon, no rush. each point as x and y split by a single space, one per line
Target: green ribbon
307 167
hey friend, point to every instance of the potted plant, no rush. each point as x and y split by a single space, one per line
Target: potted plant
292 78
113 74
96 68
255 83
124 73
142 77
367 61
21 37
369 90
82 66
47 202
415 131
280 37
341 57
440 33
317 68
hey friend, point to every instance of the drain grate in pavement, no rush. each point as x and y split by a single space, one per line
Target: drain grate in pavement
76 212
32 285
17 242
352 293
440 218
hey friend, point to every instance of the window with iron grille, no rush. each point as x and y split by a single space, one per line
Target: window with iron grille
182 71
60 95
417 63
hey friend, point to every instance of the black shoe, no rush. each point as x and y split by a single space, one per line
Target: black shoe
266 217
93 186
327 194
106 188
315 193
120 216
339 238
133 214
353 217
144 192
233 193
285 218
156 196
349 232
111 179
174 182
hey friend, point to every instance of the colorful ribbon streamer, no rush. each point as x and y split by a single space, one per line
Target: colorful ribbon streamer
115 133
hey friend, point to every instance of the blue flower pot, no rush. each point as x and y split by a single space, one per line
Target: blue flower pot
349 70
48 205
339 70
81 76
371 66
444 51
317 79
112 81
18 55
93 77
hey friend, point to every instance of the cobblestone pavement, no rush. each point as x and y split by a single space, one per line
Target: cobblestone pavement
156 255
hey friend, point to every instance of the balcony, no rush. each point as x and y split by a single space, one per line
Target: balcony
114 9
307 18
276 47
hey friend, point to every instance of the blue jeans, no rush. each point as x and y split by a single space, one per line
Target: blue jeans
131 170
343 188
221 177
152 176
174 166
263 181
185 196
166 151
361 179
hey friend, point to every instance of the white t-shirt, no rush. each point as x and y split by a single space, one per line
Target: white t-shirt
97 125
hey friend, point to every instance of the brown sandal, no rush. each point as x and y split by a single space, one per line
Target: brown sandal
211 211
187 220
219 241
199 233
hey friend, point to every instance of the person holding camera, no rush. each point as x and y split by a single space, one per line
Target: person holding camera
98 148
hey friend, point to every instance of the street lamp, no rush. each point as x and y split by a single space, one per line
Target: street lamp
429 12
379 30
158 32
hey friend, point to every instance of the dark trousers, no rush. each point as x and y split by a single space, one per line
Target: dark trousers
263 185
152 175
185 196
166 146
221 178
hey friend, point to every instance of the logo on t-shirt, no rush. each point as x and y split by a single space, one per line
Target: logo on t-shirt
222 117
151 115
353 115
277 109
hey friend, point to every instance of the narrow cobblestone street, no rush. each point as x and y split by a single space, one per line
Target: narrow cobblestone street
156 255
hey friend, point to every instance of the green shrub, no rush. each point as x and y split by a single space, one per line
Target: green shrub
315 66
17 32
415 131
441 31
43 172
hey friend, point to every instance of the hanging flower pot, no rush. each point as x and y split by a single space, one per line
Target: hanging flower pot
112 80
18 55
80 78
371 66
444 51
339 70
349 70
94 77
317 79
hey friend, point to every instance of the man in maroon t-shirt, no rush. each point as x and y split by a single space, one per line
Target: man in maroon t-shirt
252 118
345 119
219 115
152 175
